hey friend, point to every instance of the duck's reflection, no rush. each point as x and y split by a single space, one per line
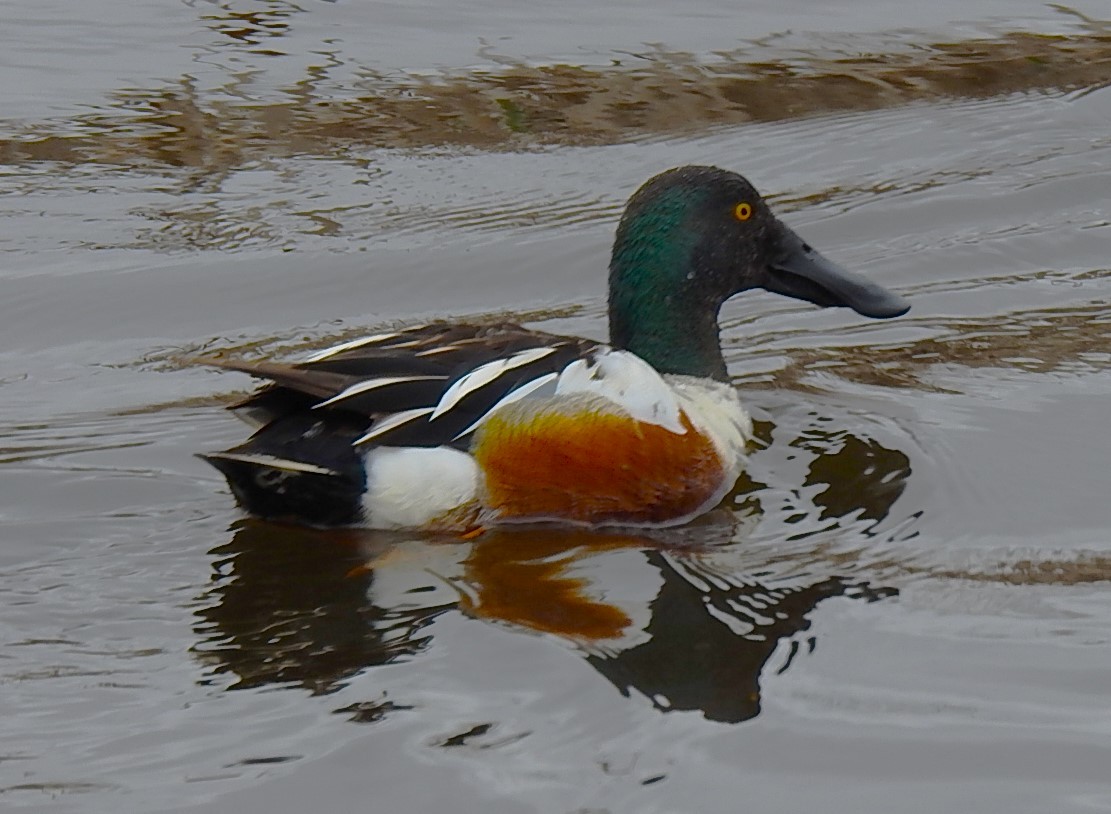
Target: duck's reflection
688 619
290 605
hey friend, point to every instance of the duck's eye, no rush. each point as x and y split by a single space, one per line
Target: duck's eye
742 211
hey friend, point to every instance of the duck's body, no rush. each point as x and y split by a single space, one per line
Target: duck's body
459 427
456 426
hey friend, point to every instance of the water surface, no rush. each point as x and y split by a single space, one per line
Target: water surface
903 603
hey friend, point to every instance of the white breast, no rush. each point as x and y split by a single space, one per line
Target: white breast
716 410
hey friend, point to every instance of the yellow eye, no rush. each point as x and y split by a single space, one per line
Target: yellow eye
742 211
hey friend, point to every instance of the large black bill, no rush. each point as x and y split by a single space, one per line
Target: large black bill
800 272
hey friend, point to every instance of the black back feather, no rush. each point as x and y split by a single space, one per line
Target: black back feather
427 360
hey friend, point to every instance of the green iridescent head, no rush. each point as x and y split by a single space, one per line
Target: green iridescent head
690 239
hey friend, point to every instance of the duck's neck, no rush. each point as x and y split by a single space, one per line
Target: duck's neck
657 309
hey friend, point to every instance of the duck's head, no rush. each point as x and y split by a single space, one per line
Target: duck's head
690 239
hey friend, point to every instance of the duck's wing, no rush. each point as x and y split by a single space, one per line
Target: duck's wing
423 386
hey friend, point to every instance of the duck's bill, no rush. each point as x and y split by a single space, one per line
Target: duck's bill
800 272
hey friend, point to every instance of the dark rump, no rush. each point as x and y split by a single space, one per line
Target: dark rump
331 498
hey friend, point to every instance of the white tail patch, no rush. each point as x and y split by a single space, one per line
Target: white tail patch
284 464
321 355
628 381
410 487
484 374
374 384
526 389
392 422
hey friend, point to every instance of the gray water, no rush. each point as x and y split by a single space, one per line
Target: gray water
902 606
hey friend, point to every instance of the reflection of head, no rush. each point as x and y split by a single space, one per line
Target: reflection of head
813 473
711 633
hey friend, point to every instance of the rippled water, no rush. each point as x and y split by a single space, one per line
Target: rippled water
902 606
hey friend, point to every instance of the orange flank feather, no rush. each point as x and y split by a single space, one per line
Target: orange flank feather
584 460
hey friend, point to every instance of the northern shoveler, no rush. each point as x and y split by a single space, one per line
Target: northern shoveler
454 426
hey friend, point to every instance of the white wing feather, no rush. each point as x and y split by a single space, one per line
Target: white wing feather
628 381
391 421
343 346
373 384
527 389
484 374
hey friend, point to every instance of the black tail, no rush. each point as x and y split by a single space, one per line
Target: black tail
297 469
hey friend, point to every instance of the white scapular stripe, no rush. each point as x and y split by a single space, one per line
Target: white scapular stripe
409 487
628 381
526 389
374 384
435 351
354 343
484 374
274 462
393 421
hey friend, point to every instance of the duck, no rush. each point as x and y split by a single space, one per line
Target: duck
456 427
